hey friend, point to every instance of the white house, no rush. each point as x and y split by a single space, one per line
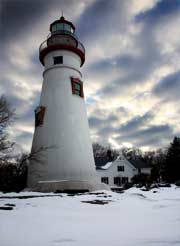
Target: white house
120 171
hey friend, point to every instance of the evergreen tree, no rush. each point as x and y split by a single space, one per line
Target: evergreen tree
172 162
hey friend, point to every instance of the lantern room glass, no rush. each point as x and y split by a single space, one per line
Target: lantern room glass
67 27
64 27
59 26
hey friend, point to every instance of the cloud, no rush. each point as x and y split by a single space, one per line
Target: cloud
168 87
98 19
164 8
152 136
17 17
136 122
131 72
95 122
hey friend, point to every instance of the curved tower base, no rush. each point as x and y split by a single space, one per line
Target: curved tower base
68 186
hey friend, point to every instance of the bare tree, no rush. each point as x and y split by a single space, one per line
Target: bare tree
35 155
6 117
102 151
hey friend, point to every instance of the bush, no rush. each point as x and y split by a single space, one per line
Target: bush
166 185
141 179
11 178
177 183
127 186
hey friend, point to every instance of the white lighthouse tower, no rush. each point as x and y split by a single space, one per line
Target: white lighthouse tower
64 158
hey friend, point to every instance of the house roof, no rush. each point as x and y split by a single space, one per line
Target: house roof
105 162
139 163
102 161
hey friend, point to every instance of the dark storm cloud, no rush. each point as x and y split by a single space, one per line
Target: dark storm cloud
15 102
26 118
136 122
169 87
138 131
130 68
98 19
164 8
101 65
17 17
111 89
106 132
125 62
131 127
154 130
152 136
136 69
96 122
15 91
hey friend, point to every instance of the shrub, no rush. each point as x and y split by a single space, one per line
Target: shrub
141 179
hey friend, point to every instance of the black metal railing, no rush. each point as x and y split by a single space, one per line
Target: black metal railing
62 32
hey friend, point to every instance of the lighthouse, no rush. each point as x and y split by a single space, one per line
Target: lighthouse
61 149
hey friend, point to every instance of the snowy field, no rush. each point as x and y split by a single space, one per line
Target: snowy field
134 218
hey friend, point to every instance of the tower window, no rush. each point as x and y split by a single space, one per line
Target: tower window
58 60
77 87
39 115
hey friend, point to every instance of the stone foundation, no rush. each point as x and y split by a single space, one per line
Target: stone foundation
68 186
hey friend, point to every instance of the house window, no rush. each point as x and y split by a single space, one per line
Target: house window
77 87
124 180
39 115
105 180
58 60
117 181
120 168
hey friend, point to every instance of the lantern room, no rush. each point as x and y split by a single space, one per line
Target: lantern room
62 25
62 37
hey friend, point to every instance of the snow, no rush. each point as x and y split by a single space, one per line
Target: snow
134 218
107 165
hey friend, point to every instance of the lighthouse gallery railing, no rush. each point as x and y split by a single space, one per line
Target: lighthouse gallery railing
44 44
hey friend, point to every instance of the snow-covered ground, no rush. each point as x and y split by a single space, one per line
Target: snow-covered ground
134 218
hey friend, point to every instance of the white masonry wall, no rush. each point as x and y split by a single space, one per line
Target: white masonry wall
65 131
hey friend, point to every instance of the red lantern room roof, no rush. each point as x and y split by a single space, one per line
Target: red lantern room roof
62 20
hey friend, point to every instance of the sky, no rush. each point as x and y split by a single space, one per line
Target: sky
131 74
